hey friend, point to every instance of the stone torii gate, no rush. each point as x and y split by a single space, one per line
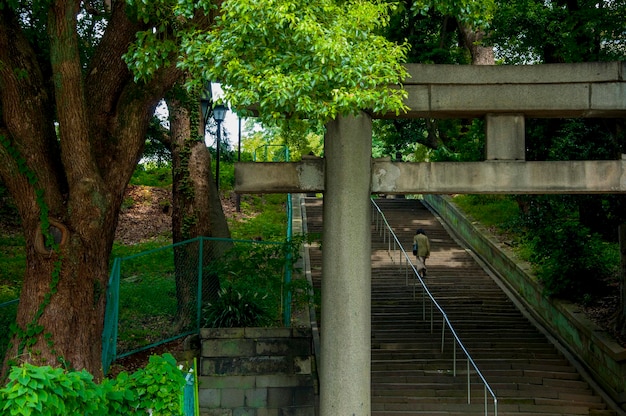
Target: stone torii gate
504 96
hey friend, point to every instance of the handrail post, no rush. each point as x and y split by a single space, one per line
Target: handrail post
406 277
454 356
443 331
485 391
469 385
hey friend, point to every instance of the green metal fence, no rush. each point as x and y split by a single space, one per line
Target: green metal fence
160 295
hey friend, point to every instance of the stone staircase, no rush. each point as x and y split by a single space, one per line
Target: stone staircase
410 373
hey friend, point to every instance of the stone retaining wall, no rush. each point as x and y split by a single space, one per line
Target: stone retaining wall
602 357
257 372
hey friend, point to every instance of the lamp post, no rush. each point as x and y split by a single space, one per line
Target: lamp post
219 114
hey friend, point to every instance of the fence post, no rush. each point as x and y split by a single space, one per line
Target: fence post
109 333
288 262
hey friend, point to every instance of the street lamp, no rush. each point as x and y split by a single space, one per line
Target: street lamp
219 114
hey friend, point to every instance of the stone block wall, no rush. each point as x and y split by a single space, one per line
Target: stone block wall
257 372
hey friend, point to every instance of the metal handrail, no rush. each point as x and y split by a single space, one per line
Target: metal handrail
389 237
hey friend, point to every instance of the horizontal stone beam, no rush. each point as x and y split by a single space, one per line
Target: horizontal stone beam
492 177
540 91
279 177
585 72
500 177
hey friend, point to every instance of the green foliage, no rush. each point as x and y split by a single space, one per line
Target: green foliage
432 35
235 309
531 31
462 141
227 176
474 13
153 49
572 262
13 255
8 210
263 216
152 174
51 391
569 260
393 137
43 391
301 59
8 314
274 144
251 278
490 210
158 386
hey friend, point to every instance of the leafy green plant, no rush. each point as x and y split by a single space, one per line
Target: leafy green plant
45 390
252 273
571 262
237 309
158 386
33 390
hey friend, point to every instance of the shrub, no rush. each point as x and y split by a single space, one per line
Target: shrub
44 391
151 174
252 288
571 261
237 309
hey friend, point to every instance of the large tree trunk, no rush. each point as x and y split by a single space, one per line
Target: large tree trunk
197 209
69 141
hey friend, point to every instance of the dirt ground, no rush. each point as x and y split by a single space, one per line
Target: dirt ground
147 213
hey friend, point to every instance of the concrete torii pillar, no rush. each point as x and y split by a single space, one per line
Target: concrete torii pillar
505 137
346 269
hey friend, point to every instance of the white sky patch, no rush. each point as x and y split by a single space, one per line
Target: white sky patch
230 123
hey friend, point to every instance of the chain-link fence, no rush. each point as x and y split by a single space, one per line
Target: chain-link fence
167 293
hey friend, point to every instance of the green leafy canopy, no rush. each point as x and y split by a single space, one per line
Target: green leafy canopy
475 13
300 59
